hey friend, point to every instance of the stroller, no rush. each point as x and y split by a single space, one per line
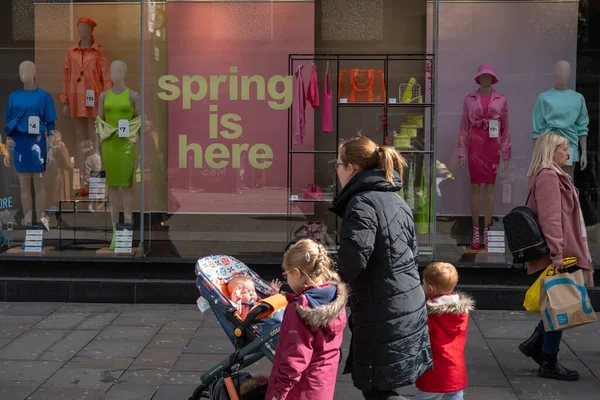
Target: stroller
252 338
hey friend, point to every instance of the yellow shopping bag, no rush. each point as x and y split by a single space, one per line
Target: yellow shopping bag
532 297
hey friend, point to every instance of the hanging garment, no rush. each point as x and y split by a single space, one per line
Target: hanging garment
58 176
362 85
23 108
563 112
327 113
299 110
474 136
118 153
85 70
313 89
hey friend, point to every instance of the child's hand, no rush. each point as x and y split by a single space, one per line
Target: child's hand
275 287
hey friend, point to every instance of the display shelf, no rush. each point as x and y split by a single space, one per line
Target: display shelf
420 156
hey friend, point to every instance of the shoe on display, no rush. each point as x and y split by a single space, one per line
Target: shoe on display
46 223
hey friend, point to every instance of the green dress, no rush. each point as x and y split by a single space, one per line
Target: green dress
118 154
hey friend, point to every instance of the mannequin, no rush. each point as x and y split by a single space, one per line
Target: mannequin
30 114
85 75
484 133
117 106
563 111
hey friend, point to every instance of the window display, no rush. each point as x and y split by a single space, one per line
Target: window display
30 116
85 76
118 124
563 111
484 135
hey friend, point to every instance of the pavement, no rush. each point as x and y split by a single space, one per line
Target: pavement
158 352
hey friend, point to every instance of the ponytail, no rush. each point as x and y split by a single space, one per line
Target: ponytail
312 259
390 160
366 154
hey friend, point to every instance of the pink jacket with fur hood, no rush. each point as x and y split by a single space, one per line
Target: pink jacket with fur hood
555 201
308 351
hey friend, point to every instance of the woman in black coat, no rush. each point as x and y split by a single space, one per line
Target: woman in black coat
378 257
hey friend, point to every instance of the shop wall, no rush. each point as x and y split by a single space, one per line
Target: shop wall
523 40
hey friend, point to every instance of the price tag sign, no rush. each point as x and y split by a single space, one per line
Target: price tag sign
124 239
393 100
97 185
90 98
344 100
123 128
494 128
33 127
34 237
294 197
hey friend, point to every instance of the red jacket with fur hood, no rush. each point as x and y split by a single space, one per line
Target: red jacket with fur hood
308 350
448 322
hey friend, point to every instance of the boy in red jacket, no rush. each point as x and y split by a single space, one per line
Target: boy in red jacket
448 323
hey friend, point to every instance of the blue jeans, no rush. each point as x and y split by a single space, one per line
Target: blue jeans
438 396
551 340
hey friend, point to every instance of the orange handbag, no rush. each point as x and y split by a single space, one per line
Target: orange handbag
362 85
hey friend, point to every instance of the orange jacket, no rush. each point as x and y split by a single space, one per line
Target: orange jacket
85 69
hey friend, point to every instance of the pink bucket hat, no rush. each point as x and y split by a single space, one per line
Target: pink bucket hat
486 69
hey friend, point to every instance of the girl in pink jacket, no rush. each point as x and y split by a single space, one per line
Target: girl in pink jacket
308 351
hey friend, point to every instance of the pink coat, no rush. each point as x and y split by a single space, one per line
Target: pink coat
555 201
308 351
299 108
473 117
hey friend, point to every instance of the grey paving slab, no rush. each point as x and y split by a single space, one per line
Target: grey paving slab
4 342
20 319
126 391
210 332
67 347
157 358
141 321
62 321
85 378
490 393
533 387
11 331
170 341
113 348
508 315
493 329
188 314
18 371
148 376
92 308
29 309
197 362
135 333
171 392
97 321
17 390
509 349
486 376
183 378
218 345
181 327
52 393
145 313
31 344
109 363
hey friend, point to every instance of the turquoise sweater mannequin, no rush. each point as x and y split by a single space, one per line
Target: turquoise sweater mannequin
563 111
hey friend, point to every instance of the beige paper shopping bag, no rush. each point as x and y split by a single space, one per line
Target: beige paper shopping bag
565 302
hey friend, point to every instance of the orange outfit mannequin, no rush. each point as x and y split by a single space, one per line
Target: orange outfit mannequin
85 69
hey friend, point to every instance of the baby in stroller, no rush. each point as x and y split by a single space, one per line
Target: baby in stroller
308 349
242 292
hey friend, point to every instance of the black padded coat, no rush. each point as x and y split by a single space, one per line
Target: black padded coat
378 257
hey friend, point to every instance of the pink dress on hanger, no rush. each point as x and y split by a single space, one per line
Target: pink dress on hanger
327 113
299 109
474 137
313 89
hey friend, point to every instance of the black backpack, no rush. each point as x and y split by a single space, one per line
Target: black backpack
523 234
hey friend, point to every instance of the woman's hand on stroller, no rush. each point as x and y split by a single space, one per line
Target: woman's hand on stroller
275 287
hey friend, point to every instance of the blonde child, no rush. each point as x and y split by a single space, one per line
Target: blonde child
448 322
308 351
